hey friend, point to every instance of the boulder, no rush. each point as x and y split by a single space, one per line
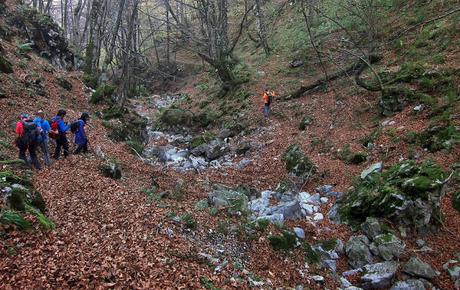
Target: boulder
410 284
388 246
418 268
371 227
379 275
357 251
299 232
296 63
297 163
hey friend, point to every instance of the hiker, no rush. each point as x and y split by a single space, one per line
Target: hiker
267 98
27 133
80 135
59 132
43 137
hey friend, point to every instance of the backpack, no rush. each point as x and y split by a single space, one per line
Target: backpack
54 132
74 126
31 132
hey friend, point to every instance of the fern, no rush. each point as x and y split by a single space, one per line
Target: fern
44 221
25 47
14 218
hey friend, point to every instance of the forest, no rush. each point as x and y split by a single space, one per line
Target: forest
217 144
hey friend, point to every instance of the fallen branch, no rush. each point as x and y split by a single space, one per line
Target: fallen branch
355 69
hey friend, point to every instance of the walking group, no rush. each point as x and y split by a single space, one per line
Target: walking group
33 133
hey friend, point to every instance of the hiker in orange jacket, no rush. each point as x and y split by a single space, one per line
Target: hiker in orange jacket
268 99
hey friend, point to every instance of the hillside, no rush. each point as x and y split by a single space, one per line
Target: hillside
212 195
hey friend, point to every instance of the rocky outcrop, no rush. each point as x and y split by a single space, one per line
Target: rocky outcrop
47 37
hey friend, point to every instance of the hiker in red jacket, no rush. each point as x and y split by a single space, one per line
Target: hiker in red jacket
27 134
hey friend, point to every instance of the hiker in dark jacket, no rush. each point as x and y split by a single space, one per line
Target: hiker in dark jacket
27 134
43 138
58 124
80 136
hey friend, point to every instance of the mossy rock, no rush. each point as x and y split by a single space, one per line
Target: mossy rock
286 241
111 169
297 162
201 139
65 84
18 199
176 117
5 65
38 202
405 193
456 200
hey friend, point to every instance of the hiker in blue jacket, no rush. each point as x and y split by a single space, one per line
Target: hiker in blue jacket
58 124
42 141
80 135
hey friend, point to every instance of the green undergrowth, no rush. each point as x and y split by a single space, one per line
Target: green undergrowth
23 201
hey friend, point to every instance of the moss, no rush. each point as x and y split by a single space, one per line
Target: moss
286 241
175 117
351 157
329 245
103 93
202 139
18 199
285 186
189 221
383 194
11 178
5 65
311 256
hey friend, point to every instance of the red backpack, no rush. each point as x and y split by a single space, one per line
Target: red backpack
54 132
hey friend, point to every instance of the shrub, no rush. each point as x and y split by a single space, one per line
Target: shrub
189 221
286 241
